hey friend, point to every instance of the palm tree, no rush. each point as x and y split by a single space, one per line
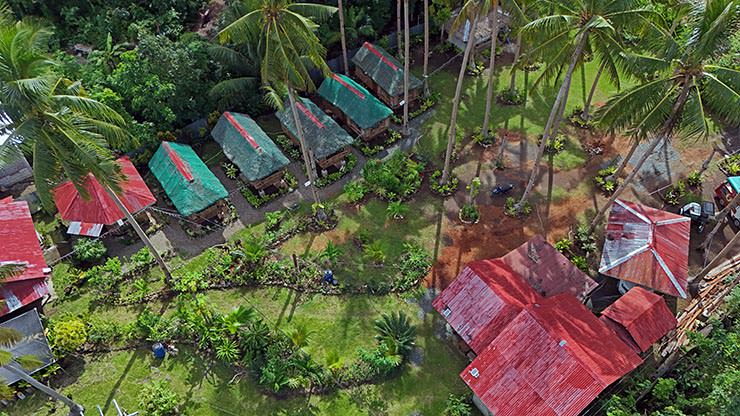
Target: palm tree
406 59
68 134
396 331
564 36
491 65
426 47
340 10
681 89
522 12
284 33
19 365
469 12
398 27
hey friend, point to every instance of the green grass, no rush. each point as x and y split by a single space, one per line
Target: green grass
530 120
343 324
571 157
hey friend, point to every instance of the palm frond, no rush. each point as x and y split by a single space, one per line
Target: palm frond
29 362
722 94
9 337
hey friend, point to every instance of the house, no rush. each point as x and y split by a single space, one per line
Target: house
482 35
354 106
21 250
552 359
640 317
190 185
648 247
328 142
260 161
547 270
33 342
384 75
87 216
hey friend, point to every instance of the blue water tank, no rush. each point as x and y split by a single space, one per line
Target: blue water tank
158 350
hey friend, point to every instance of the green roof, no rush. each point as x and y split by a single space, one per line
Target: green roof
245 144
186 180
384 69
734 182
322 134
354 100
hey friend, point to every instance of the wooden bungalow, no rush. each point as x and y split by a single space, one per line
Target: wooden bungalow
383 75
329 143
190 185
354 106
260 161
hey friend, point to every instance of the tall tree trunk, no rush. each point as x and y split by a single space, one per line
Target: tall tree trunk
426 47
491 68
398 27
555 114
517 53
406 59
720 219
587 105
307 159
623 164
500 157
708 160
340 10
142 235
74 408
715 262
665 132
451 138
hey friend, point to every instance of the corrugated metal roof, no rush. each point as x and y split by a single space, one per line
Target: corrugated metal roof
384 69
100 208
547 270
643 315
554 358
19 244
485 297
734 182
647 246
33 342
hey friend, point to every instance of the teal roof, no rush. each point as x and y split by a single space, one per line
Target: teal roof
734 182
384 69
354 100
245 144
186 180
322 134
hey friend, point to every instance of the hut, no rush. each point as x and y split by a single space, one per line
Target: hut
261 163
640 317
87 216
328 142
190 185
482 34
354 106
20 250
648 247
383 75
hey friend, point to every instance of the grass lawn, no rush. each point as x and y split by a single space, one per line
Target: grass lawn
342 324
530 120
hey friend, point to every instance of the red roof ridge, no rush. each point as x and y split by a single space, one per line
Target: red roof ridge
382 57
348 86
182 166
242 131
311 116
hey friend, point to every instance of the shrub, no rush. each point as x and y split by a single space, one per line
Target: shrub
469 212
510 208
103 332
142 257
67 336
331 253
413 265
355 191
674 193
602 179
457 406
375 252
578 121
443 189
396 210
480 139
730 164
564 246
288 147
230 170
158 399
89 250
580 262
273 219
511 97
189 282
555 144
396 331
335 176
584 239
396 178
694 180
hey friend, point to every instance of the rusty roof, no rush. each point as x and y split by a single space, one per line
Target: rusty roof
641 316
647 246
547 270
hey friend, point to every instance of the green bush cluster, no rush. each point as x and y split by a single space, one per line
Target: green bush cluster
604 181
67 336
510 208
510 96
398 177
89 250
157 398
446 189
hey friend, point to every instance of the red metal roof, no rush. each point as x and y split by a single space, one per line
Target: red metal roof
100 208
19 244
642 316
547 270
485 297
647 246
554 358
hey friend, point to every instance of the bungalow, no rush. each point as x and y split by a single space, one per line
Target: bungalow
648 247
383 74
20 250
328 142
191 186
87 216
355 106
261 163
